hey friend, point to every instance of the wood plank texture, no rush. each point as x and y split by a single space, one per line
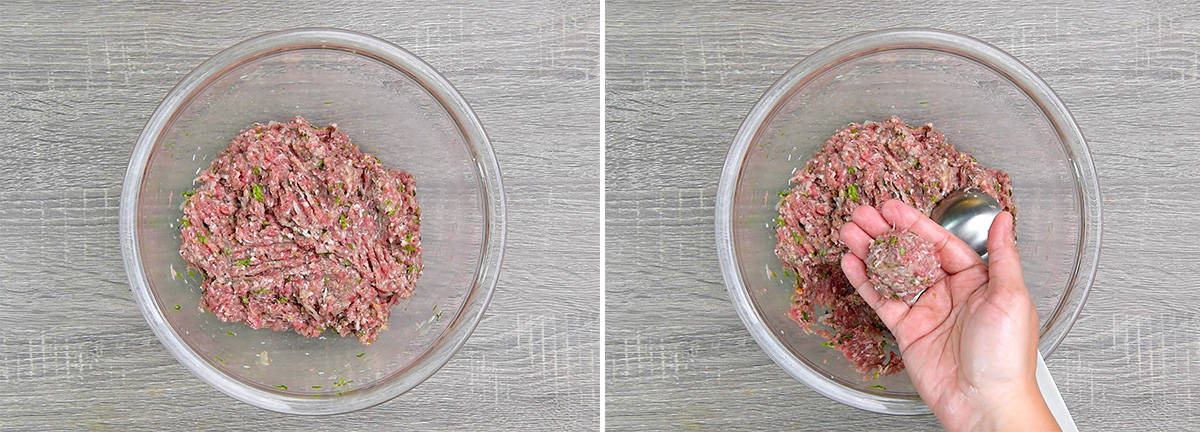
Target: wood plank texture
78 82
681 76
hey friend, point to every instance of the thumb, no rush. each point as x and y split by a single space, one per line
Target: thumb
1004 263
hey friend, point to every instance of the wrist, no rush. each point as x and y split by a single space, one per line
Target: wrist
1022 408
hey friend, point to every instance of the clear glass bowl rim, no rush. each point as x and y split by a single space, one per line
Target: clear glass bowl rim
486 169
854 47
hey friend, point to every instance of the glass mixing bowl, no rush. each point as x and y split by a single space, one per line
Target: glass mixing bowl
392 105
986 103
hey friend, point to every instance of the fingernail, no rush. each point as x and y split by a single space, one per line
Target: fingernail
1012 226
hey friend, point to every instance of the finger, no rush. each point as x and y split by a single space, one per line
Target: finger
870 221
1004 262
954 255
891 312
856 239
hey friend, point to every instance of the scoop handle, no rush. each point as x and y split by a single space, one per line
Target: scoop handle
1053 398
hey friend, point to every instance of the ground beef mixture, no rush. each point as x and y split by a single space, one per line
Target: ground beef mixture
293 227
864 164
902 265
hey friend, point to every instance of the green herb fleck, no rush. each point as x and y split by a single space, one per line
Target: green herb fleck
321 165
409 247
410 268
342 221
177 307
877 386
804 316
893 240
924 103
219 358
202 237
257 189
328 102
784 193
257 171
798 236
316 387
779 221
185 222
438 316
230 333
917 164
896 296
901 251
359 355
854 130
187 194
827 343
243 262
342 382
852 169
852 191
245 300
281 387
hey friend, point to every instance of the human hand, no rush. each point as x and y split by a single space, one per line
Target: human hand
969 343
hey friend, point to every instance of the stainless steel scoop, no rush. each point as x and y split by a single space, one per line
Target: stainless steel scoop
968 214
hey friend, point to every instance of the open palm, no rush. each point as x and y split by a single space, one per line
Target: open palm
969 342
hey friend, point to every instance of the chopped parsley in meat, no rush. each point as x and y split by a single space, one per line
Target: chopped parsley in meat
293 227
902 265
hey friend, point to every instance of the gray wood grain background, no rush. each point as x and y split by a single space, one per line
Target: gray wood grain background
681 76
78 82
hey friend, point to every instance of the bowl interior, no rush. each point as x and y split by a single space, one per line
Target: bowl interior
978 109
387 113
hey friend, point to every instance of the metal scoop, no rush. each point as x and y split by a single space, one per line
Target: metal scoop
968 213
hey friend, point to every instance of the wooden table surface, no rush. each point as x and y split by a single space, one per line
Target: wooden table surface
78 83
681 76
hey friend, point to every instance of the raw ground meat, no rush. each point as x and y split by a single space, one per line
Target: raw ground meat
902 265
864 164
293 227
